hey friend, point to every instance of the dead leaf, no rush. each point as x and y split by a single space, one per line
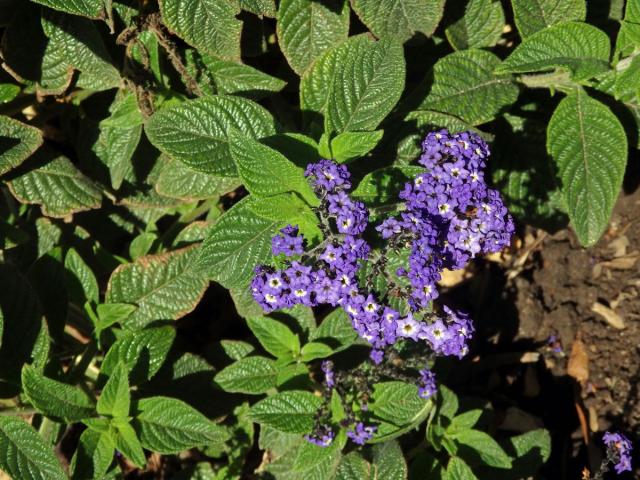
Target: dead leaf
619 246
593 419
611 317
578 366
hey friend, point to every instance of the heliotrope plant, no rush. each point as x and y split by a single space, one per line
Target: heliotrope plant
448 216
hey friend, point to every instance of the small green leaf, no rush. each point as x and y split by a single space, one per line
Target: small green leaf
169 426
93 456
531 450
80 281
210 25
252 375
314 350
396 402
383 186
534 15
291 411
589 146
465 85
112 313
236 349
127 442
275 336
399 18
349 146
482 445
464 421
336 331
580 48
24 454
447 402
306 29
480 26
265 172
196 131
115 399
17 142
142 244
165 286
8 91
457 469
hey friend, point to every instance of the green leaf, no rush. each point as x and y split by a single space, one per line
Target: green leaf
589 146
142 352
396 402
165 286
8 91
56 399
464 85
534 15
57 186
314 350
480 26
112 313
349 146
80 281
275 336
353 467
265 172
389 461
252 375
580 48
259 7
457 469
354 85
382 186
447 402
238 242
87 8
24 454
196 131
93 456
306 29
336 331
531 450
115 399
290 412
17 142
128 443
176 180
209 25
482 445
169 426
399 18
465 420
74 42
236 349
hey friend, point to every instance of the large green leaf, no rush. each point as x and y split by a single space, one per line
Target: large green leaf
57 186
399 18
196 131
580 48
167 425
534 15
389 461
480 26
589 146
252 375
291 411
17 142
74 42
354 85
465 86
306 29
24 454
210 25
56 399
238 242
266 172
164 287
260 7
176 180
88 8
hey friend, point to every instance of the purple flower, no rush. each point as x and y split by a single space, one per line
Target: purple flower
329 378
323 437
289 243
427 384
407 327
361 434
619 450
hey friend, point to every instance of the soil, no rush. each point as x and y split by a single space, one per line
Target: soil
546 357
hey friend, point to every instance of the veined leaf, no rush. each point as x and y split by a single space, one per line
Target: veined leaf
238 242
165 286
399 18
578 47
58 187
457 469
389 461
349 146
382 186
483 446
291 411
589 146
252 375
306 29
8 91
274 336
17 142
210 25
260 7
534 15
80 281
56 399
127 442
115 399
167 425
465 86
87 8
480 26
24 454
196 131
93 455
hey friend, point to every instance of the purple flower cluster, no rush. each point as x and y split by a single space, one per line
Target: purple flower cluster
451 215
619 450
361 433
322 438
427 386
